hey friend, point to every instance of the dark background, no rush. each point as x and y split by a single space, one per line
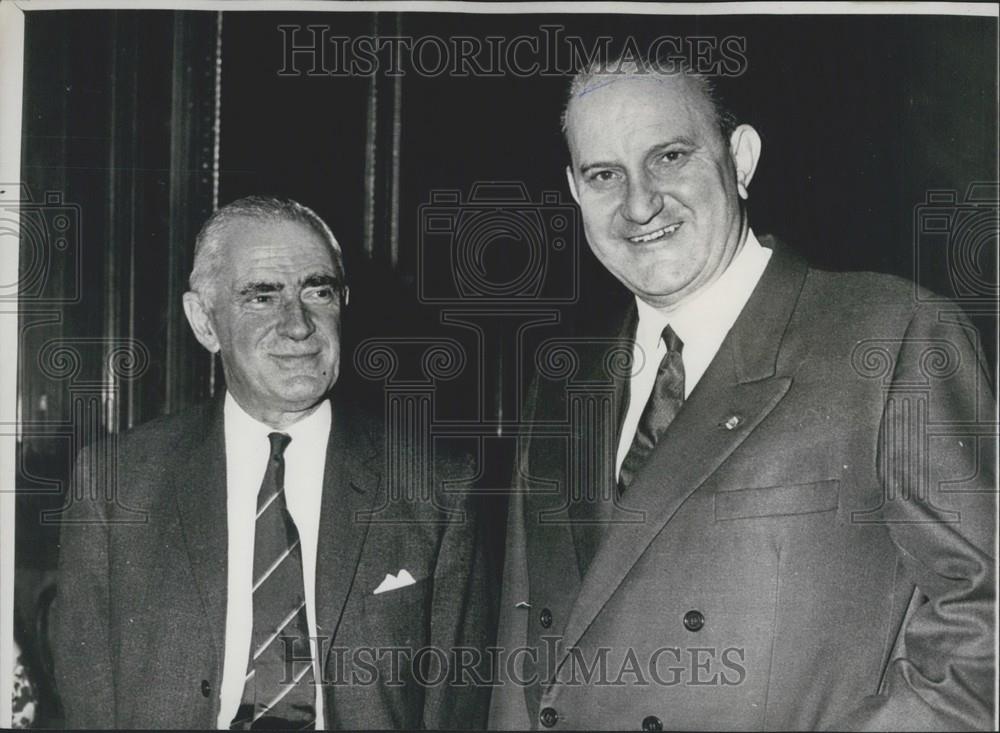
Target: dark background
862 118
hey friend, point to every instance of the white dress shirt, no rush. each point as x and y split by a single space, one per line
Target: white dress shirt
701 321
247 452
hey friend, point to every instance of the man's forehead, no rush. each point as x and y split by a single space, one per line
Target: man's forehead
250 230
290 247
281 272
609 99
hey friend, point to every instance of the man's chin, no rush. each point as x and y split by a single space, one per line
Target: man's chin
662 292
304 390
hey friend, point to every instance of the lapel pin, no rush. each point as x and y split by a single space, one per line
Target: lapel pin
732 422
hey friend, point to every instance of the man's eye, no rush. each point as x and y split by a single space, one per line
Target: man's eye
603 176
262 299
320 295
672 156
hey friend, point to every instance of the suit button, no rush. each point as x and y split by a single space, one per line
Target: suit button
545 618
206 689
651 722
548 716
693 620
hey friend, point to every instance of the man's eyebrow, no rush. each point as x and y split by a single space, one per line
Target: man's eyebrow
315 281
260 286
591 166
682 140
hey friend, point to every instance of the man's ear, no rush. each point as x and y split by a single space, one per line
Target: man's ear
201 321
744 146
572 183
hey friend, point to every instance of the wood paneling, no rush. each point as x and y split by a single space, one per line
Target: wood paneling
117 176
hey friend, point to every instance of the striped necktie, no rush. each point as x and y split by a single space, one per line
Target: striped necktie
279 690
662 407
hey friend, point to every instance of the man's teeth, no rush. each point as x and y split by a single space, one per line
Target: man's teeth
655 235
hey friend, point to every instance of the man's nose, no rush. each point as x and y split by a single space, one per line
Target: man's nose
643 202
296 322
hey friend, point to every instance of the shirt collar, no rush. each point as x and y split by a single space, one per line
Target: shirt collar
309 429
710 311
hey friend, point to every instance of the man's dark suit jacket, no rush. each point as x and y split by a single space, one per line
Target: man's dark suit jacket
139 621
808 546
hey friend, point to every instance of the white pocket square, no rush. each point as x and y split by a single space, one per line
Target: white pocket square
395 582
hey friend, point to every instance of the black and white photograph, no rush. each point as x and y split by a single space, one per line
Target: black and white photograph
498 366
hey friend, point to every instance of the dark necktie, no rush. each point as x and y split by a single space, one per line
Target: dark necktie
279 690
662 407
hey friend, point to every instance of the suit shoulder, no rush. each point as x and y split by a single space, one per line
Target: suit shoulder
369 428
448 463
839 310
151 442
881 298
160 432
863 301
875 288
136 465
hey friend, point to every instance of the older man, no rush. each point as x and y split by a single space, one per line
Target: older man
788 520
260 592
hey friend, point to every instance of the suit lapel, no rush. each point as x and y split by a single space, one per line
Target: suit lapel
350 485
200 490
741 383
563 527
548 535
589 518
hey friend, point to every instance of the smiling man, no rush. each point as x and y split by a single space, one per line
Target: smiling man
259 584
758 532
655 178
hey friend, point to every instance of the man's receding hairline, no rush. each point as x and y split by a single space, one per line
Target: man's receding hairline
218 239
599 76
702 91
209 242
224 227
220 229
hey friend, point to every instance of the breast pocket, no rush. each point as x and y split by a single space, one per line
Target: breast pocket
778 501
400 617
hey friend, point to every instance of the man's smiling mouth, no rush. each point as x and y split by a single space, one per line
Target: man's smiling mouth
656 235
294 357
